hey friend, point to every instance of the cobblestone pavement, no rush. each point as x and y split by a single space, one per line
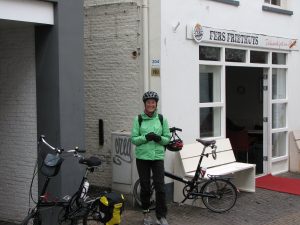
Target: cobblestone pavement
260 208
263 207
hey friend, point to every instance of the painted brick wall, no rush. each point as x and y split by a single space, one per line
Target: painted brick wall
112 76
17 119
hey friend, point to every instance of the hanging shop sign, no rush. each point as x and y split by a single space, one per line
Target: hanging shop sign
200 34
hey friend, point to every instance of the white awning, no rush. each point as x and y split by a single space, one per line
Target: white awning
27 11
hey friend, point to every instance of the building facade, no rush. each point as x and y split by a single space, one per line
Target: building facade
76 70
220 66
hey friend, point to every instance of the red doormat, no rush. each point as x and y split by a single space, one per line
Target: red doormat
280 184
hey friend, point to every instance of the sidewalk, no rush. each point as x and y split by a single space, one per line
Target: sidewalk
263 207
260 208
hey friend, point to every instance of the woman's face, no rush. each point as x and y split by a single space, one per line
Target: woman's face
150 106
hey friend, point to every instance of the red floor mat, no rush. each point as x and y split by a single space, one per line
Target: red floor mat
280 184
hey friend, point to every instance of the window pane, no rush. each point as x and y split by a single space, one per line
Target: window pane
258 57
279 144
210 84
273 2
279 115
209 53
278 84
210 122
235 55
278 58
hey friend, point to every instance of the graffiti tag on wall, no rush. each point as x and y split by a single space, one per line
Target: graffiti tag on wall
122 151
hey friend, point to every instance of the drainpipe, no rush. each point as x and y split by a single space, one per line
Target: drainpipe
145 19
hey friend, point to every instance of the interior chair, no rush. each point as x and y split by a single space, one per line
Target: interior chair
241 144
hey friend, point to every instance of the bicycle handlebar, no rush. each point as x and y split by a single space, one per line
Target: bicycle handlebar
76 150
173 129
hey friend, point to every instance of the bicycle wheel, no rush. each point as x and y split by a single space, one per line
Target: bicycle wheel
137 191
220 195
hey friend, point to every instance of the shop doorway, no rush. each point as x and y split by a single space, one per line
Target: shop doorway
244 113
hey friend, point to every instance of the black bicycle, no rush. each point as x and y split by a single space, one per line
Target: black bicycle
76 209
218 193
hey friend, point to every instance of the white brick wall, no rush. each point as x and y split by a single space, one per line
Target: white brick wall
113 78
17 120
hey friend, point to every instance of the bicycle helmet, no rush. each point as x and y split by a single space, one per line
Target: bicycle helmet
150 95
175 145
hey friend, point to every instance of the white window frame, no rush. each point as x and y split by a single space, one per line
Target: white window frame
278 101
220 104
269 66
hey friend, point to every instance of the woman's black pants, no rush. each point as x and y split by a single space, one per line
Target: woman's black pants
144 168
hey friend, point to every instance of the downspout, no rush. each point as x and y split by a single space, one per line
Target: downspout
145 44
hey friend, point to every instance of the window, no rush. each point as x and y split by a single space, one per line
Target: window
278 84
210 84
258 57
279 109
210 122
277 6
278 58
210 112
279 115
209 53
273 2
279 141
235 55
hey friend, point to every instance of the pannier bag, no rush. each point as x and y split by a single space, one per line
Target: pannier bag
111 206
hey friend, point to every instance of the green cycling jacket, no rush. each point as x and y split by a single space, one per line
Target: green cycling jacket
150 150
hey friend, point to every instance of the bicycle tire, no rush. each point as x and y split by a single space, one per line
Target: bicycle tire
137 198
223 195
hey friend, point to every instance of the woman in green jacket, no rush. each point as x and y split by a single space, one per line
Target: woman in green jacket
150 134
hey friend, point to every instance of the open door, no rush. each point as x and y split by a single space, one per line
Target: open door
266 120
245 113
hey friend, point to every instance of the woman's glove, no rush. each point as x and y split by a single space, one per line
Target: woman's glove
152 137
157 138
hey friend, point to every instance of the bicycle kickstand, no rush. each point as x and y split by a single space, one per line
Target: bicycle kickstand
186 197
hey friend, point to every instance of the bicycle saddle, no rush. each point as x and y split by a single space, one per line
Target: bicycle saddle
91 162
206 143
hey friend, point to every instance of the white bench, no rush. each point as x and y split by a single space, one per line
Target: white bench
225 164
